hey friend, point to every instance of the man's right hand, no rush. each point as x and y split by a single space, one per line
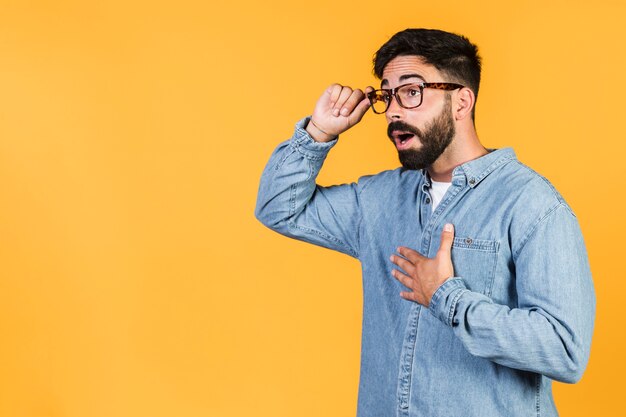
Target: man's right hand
337 110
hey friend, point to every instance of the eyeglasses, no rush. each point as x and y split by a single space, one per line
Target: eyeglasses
409 96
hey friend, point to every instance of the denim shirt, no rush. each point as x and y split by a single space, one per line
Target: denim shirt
518 313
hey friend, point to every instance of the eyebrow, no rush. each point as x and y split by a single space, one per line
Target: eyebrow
403 78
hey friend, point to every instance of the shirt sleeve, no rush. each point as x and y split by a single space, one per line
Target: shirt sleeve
550 330
291 203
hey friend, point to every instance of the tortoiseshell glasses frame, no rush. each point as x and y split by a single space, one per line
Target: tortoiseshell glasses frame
408 96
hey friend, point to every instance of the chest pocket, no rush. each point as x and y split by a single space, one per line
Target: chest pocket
474 260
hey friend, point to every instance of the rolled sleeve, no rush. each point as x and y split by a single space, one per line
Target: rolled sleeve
304 144
443 302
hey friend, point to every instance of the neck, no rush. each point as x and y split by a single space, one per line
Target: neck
464 147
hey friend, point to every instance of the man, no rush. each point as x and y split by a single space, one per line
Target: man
477 289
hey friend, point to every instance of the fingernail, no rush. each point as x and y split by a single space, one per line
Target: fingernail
391 258
335 112
447 227
344 111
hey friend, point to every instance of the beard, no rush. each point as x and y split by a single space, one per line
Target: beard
435 138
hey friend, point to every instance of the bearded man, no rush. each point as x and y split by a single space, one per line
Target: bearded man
477 291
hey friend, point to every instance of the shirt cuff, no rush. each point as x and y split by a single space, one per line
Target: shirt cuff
443 303
306 145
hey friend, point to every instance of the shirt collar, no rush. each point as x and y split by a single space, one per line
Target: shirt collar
474 171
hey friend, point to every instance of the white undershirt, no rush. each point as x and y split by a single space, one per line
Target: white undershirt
437 191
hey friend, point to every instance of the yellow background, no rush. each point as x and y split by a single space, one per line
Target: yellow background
134 279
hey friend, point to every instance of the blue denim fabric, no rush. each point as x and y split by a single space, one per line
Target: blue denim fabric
518 313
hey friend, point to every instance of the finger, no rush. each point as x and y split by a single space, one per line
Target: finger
361 108
410 296
346 92
447 238
406 280
410 254
364 105
355 98
334 91
403 263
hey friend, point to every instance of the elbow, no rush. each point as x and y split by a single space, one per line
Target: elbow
268 218
263 216
570 354
572 370
570 376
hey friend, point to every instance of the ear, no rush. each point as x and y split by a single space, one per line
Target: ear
464 103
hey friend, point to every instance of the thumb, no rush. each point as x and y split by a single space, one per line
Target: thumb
360 110
447 238
363 105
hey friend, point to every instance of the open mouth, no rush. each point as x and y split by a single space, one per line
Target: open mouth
402 139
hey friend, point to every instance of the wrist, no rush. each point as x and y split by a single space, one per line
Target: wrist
317 133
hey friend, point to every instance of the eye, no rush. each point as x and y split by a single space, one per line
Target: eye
413 92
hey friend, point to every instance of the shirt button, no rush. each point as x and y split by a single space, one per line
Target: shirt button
472 181
427 200
468 240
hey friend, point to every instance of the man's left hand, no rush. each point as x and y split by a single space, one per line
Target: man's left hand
425 275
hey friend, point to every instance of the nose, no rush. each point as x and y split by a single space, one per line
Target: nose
394 111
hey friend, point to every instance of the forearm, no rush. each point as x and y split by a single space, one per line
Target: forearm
550 327
290 202
522 338
288 180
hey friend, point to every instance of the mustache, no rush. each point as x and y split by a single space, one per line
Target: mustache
398 125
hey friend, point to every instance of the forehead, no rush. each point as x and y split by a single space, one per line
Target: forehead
402 66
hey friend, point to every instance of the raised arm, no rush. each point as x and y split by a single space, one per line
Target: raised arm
289 200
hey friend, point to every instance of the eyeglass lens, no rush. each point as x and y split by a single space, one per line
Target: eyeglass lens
408 96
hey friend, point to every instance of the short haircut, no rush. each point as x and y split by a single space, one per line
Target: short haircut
453 55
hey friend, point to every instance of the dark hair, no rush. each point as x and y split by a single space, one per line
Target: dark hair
453 55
